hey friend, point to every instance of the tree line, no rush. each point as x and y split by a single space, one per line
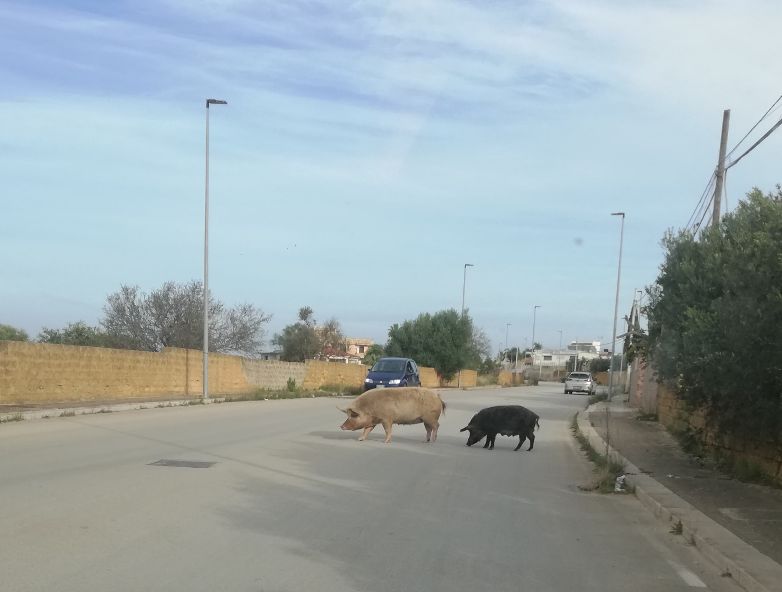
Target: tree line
172 316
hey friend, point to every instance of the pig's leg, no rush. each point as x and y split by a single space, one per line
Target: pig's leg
428 432
531 437
493 436
365 433
488 441
388 426
522 437
435 427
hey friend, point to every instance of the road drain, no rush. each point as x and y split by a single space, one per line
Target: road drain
190 464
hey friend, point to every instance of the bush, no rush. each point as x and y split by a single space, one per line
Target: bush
715 318
291 385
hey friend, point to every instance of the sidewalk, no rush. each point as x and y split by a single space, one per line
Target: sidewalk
739 525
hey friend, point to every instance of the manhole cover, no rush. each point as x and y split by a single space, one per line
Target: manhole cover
190 464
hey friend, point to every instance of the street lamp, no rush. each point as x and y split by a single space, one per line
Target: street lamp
206 253
534 318
464 283
616 306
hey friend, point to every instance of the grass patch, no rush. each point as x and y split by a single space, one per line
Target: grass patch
13 417
275 394
677 528
646 417
607 469
195 402
68 413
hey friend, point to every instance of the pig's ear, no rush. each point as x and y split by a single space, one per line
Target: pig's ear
464 429
345 411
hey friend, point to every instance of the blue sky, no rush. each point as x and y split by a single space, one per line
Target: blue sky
369 149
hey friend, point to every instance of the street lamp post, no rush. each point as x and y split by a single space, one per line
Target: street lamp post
506 335
206 253
534 319
616 306
559 351
464 285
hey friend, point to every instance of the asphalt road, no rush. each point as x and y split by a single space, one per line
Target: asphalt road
291 503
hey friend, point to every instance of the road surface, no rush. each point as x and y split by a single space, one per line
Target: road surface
292 503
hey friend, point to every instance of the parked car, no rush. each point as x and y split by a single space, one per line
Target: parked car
580 382
392 372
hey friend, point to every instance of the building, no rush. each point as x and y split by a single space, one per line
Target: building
358 346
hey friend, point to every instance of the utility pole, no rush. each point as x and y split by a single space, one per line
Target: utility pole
715 215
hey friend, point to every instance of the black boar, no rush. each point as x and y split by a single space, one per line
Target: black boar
508 420
402 406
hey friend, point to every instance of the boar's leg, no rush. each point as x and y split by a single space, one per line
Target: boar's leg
531 437
490 440
428 431
387 426
365 433
435 427
522 437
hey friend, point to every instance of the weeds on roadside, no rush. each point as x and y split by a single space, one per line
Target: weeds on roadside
13 417
68 413
606 467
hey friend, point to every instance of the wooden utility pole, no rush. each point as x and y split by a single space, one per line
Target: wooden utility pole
715 215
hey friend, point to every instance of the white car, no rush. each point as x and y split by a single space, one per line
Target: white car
580 382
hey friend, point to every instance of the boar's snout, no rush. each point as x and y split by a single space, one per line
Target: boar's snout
475 435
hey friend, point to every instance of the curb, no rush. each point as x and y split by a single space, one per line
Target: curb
70 411
748 567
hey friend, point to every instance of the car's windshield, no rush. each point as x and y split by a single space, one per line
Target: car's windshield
389 366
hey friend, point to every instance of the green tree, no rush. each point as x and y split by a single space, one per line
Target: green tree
446 341
715 318
9 333
373 354
300 340
78 333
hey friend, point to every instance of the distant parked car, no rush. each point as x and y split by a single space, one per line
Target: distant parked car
392 372
580 382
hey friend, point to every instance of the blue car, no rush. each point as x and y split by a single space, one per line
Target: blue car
392 372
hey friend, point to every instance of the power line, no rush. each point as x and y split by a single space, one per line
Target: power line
706 192
756 144
752 129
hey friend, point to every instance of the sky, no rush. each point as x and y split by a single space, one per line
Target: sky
368 150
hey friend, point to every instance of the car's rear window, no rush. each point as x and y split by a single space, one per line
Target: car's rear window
579 375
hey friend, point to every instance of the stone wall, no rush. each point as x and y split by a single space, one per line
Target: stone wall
270 374
33 373
41 373
677 417
319 374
